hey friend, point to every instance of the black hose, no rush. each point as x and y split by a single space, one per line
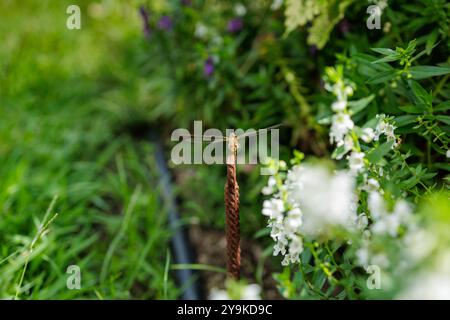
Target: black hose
181 248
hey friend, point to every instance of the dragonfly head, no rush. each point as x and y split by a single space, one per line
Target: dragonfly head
233 143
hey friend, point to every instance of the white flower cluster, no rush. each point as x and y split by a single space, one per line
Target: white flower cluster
201 31
384 223
386 128
276 4
382 4
346 135
240 10
310 202
342 131
244 292
284 230
387 222
327 199
430 284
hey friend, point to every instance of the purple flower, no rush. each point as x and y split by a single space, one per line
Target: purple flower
145 21
313 50
344 26
235 25
165 23
208 68
186 3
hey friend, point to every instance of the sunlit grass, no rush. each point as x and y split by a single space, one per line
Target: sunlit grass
58 137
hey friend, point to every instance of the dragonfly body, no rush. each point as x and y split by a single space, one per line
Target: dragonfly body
233 143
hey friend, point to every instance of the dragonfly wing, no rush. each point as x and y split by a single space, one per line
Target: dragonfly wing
202 139
258 132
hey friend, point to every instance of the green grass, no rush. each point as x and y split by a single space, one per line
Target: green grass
61 104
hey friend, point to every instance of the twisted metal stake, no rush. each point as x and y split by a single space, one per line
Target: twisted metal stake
232 216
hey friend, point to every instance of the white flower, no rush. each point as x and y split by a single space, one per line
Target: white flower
270 188
388 222
448 153
356 161
428 286
433 282
348 90
348 143
277 231
376 205
276 4
371 185
201 31
385 128
362 256
295 249
317 202
388 225
273 208
341 123
293 220
339 105
367 135
217 294
418 244
240 9
296 246
403 210
294 184
326 200
279 248
362 221
251 292
380 259
217 41
389 131
247 292
382 4
294 174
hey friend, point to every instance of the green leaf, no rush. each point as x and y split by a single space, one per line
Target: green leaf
444 119
412 109
382 77
390 55
443 166
423 52
405 120
388 59
384 51
431 42
338 152
411 182
411 47
443 106
423 72
423 97
358 105
377 154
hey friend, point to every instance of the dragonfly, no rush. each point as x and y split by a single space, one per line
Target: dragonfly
231 196
233 139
